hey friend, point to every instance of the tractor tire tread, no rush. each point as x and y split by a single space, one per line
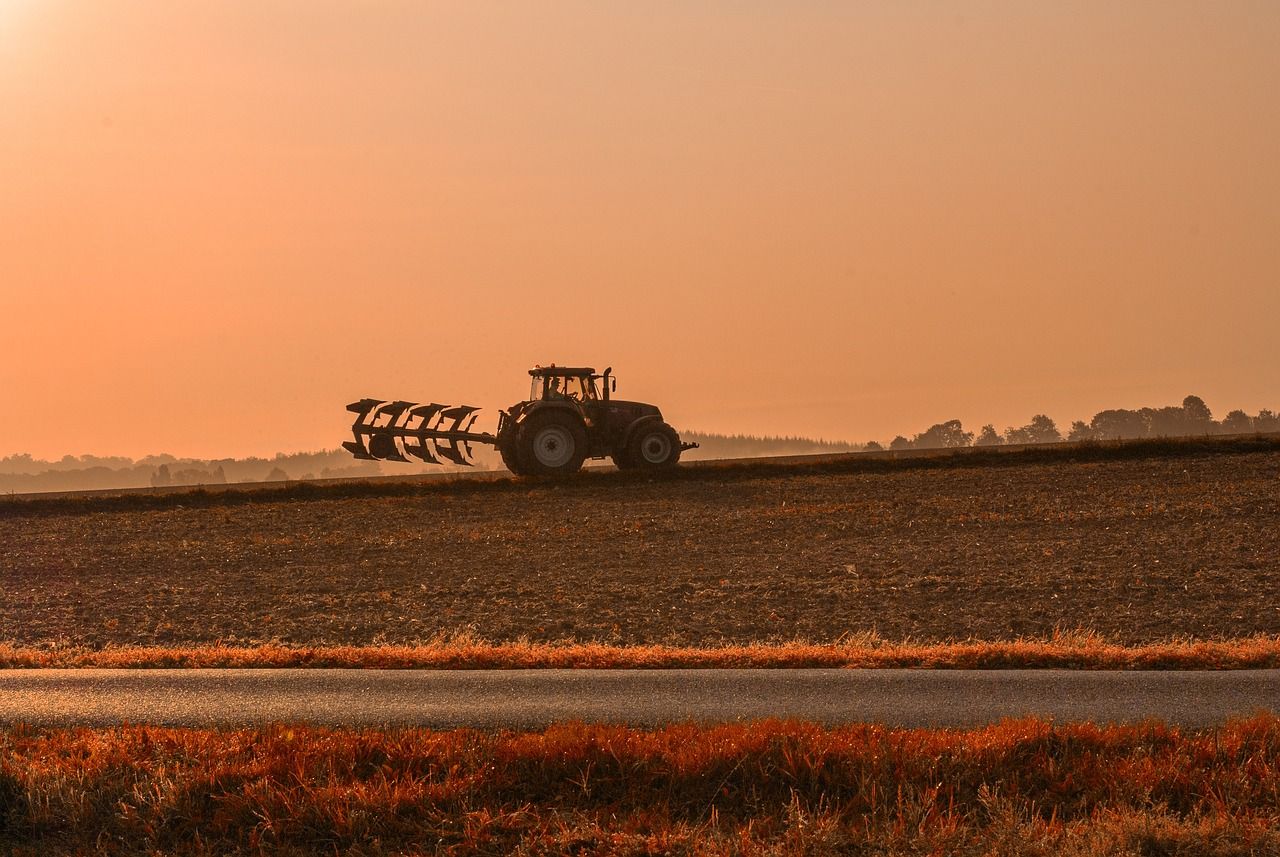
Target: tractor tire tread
528 461
635 454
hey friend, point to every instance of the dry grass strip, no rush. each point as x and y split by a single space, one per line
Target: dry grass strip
1082 650
1023 787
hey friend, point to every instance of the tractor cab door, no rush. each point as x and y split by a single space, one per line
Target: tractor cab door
577 392
582 391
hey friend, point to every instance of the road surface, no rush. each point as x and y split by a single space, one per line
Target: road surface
535 698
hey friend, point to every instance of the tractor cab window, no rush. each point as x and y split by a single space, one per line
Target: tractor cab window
578 388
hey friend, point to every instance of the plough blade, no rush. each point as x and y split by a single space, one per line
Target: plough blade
420 450
399 430
357 449
392 411
450 449
425 415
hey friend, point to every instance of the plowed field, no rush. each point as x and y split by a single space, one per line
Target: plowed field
1139 550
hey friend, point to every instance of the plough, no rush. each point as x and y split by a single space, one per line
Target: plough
399 431
568 417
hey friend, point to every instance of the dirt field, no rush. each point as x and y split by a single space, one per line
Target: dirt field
1139 550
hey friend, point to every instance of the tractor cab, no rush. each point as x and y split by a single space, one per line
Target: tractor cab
581 385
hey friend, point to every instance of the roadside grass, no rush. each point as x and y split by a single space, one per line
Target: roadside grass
1080 650
1022 787
703 471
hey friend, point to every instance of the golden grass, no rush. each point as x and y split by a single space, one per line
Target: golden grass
1022 787
1064 650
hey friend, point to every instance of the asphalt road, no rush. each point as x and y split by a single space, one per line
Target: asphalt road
534 698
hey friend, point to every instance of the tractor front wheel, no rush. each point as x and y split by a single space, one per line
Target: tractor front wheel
654 446
552 444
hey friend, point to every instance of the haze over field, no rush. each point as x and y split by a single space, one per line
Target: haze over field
221 222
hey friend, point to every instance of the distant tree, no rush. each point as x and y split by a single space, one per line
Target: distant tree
1041 429
1199 419
988 437
1237 422
277 475
198 476
1080 430
161 477
946 435
873 446
714 446
899 442
1119 423
21 462
1017 435
155 460
1165 422
1266 420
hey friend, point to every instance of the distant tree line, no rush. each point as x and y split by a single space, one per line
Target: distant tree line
23 473
751 446
1192 419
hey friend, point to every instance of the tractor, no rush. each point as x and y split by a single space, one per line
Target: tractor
570 416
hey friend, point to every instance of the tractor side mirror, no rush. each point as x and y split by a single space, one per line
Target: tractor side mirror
613 385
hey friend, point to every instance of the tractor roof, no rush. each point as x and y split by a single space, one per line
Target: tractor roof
560 372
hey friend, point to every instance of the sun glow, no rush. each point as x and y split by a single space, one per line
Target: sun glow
13 14
11 10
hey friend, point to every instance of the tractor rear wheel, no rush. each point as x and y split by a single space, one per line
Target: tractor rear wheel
552 444
654 446
510 452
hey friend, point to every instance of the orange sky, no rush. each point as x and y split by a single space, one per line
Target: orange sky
220 222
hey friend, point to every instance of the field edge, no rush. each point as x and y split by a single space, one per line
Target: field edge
206 496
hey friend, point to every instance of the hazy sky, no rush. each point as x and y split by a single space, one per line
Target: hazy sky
221 221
